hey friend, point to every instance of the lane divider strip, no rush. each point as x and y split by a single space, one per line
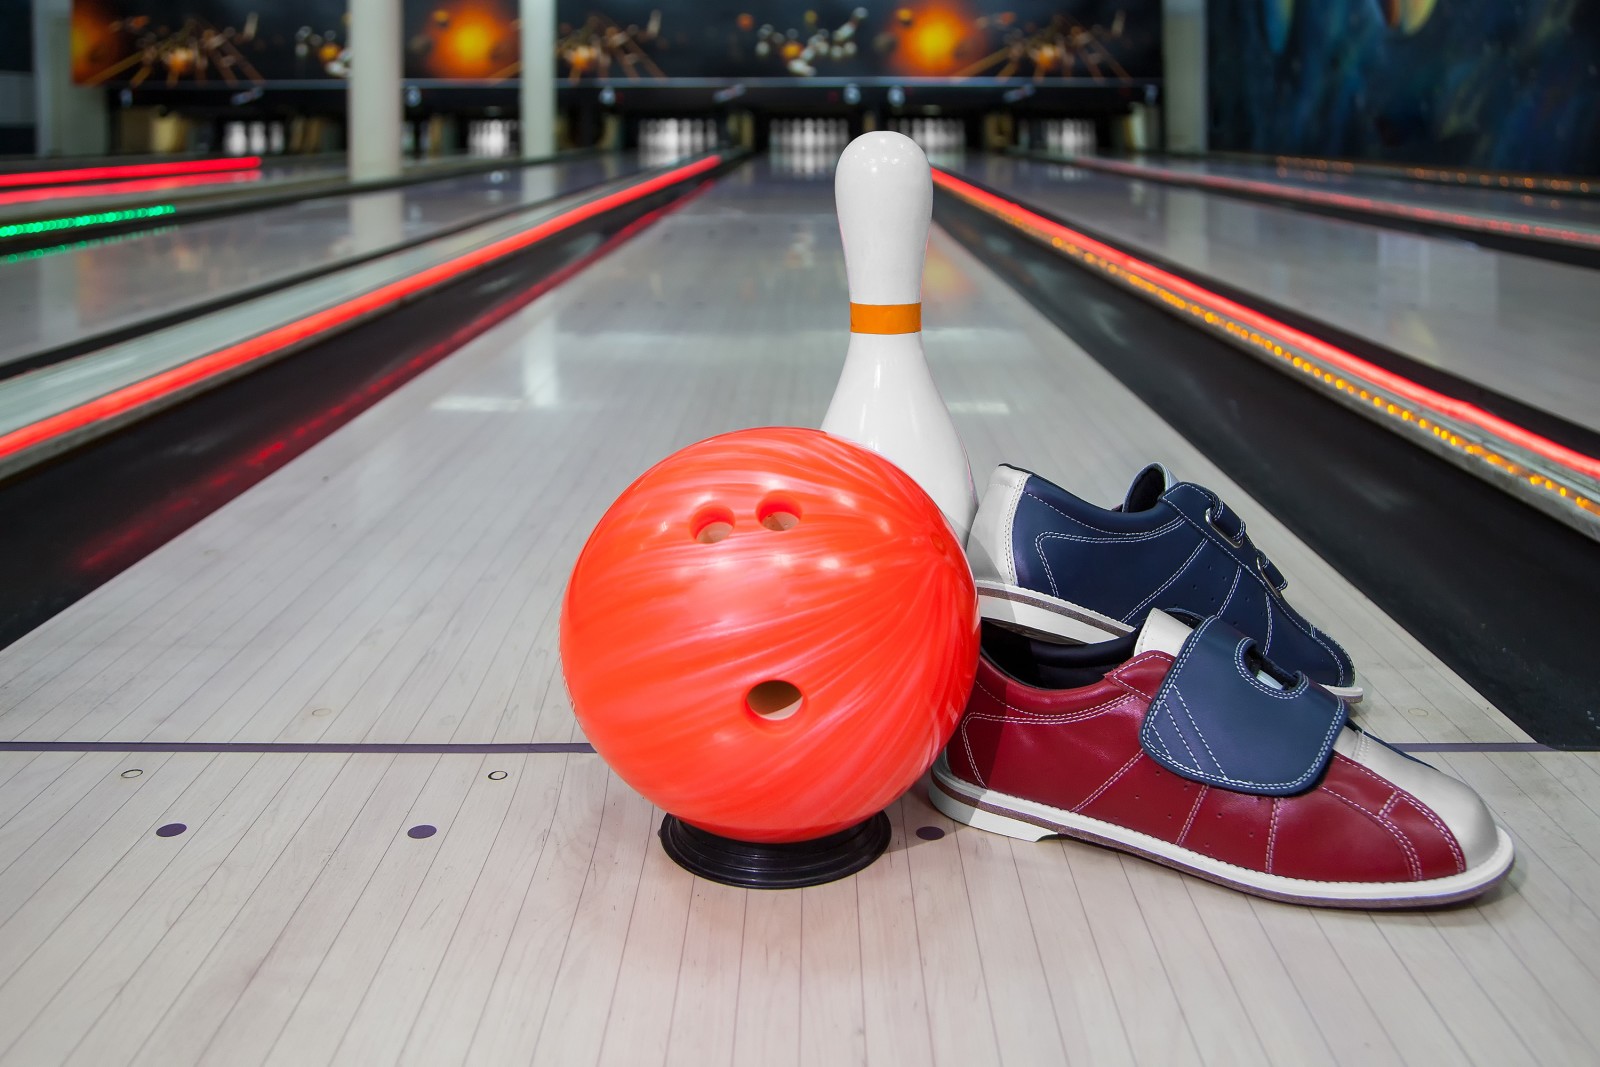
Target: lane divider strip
1328 364
121 401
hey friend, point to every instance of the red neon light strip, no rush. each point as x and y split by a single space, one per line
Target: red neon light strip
167 382
1392 208
141 185
128 170
1420 395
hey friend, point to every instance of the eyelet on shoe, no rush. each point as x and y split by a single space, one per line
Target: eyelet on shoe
1236 540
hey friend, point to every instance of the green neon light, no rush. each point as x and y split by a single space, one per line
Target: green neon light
88 242
98 218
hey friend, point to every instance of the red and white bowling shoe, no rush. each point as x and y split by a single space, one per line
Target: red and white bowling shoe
1188 748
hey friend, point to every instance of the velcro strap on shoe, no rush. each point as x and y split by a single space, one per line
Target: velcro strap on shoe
1216 719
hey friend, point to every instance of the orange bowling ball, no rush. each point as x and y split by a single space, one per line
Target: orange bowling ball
771 634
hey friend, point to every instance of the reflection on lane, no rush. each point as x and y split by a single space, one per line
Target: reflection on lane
1513 324
103 287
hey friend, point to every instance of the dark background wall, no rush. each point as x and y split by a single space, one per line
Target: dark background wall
16 77
1498 84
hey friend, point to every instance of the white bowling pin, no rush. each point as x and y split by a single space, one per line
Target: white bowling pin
886 398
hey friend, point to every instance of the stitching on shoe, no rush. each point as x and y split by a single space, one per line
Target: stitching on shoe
1198 733
1189 822
1438 824
1050 575
1332 649
1368 771
1111 534
1398 794
1166 584
1112 538
1414 862
972 760
1229 865
1272 831
1237 571
1035 718
1109 782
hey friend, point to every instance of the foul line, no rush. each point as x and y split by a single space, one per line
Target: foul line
543 747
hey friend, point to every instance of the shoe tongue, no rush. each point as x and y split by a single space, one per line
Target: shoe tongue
1161 633
1147 488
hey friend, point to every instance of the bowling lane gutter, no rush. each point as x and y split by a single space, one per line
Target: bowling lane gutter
76 425
1579 248
1558 479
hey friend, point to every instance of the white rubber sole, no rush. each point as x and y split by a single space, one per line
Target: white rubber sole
1023 819
1052 619
1045 616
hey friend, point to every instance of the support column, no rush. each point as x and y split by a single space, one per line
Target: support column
376 107
72 120
538 93
1183 50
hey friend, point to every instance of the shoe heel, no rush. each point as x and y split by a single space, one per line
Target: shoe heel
961 811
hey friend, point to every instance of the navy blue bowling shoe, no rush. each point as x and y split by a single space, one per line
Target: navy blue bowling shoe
1051 564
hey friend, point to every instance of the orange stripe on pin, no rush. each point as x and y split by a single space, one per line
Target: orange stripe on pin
885 318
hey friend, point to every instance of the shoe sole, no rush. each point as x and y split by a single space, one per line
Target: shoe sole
1029 821
1045 616
1053 619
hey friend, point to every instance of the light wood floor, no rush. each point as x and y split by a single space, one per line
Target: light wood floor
399 585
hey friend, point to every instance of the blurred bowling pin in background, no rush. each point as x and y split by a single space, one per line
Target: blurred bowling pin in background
886 399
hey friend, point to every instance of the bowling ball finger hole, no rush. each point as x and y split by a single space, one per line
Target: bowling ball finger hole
774 701
778 514
712 525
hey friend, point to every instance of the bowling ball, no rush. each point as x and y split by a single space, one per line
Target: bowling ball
770 634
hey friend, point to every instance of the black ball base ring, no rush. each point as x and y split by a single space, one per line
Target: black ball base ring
791 865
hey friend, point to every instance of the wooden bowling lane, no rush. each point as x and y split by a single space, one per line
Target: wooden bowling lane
489 908
65 298
398 584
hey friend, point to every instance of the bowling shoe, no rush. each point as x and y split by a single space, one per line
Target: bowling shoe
1189 748
1047 562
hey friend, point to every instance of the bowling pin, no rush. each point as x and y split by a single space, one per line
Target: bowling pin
886 398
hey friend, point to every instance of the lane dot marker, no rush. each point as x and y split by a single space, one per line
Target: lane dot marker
172 829
132 772
495 776
419 832
929 833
